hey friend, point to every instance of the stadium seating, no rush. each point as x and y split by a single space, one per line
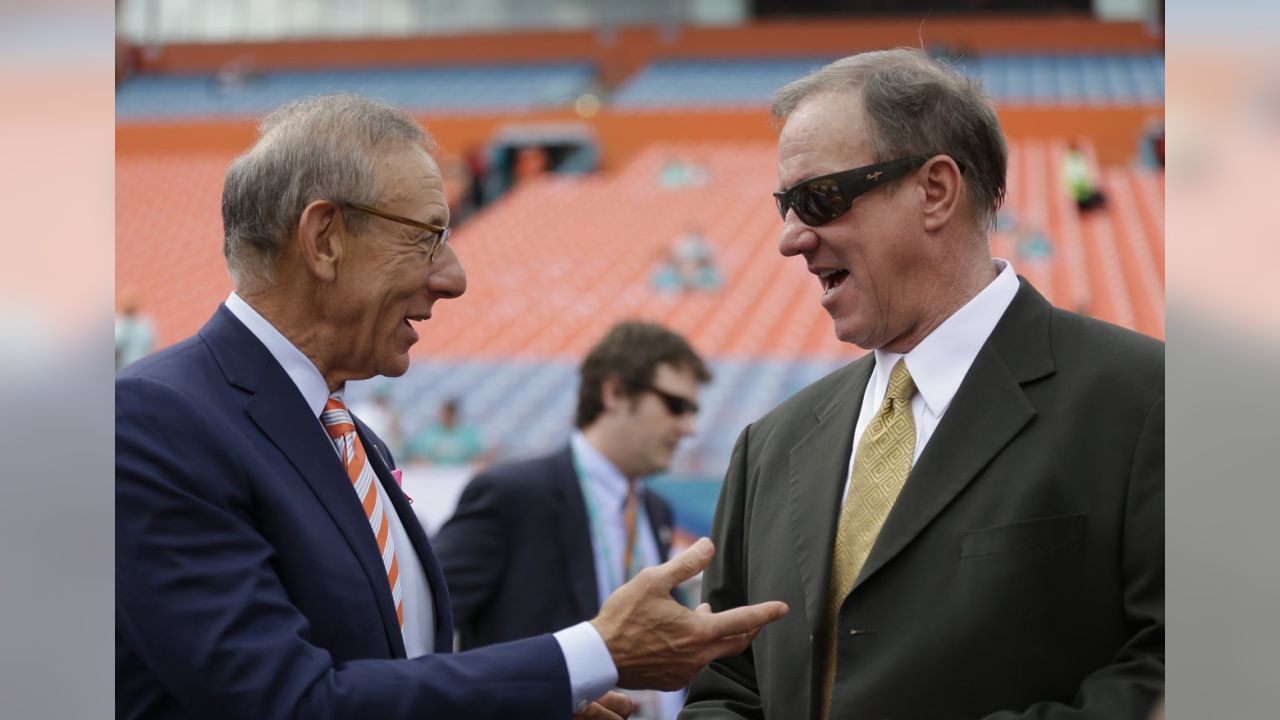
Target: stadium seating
506 88
1015 80
1072 80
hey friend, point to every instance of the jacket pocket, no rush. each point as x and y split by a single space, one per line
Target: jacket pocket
1041 533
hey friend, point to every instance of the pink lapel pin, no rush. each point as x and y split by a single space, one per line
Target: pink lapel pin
400 483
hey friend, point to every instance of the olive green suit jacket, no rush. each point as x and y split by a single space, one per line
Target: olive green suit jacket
1020 574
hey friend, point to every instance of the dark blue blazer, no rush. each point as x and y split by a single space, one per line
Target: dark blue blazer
517 551
248 583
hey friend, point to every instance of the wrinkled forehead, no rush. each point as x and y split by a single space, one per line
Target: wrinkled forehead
826 133
410 178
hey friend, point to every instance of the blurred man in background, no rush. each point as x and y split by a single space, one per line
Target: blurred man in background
541 544
135 337
448 442
971 515
267 563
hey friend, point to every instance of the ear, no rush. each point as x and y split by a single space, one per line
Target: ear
611 394
943 184
321 236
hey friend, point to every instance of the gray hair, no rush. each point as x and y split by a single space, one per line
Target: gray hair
916 105
317 148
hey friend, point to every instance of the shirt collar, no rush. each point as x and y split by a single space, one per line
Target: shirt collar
304 374
603 476
940 361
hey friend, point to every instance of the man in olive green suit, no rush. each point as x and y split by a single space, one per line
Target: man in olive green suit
968 521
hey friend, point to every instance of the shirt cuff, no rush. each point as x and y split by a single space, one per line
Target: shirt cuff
591 669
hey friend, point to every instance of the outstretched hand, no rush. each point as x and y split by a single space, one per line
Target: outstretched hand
657 643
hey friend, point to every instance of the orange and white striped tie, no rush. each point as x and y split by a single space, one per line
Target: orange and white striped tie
342 430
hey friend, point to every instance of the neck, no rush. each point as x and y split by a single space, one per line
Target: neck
294 318
600 439
948 294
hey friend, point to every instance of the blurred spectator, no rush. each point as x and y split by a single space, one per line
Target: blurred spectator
677 173
1033 244
457 187
1079 179
135 337
691 266
535 544
447 443
1151 150
478 167
1006 221
382 418
236 75
531 162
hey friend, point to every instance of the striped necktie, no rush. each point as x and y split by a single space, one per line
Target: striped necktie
342 430
629 509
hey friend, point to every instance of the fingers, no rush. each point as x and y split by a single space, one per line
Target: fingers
703 609
617 703
687 564
740 620
595 711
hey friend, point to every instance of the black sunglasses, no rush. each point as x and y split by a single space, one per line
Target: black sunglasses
676 405
819 200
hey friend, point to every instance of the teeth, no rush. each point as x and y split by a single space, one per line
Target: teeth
827 278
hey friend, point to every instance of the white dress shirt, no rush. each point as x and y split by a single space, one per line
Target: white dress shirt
608 488
939 362
591 668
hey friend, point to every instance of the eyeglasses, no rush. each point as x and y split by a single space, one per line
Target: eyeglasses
440 235
819 200
676 405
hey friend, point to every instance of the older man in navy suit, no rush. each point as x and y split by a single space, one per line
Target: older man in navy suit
267 563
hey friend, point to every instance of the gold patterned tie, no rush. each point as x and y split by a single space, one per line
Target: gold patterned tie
880 470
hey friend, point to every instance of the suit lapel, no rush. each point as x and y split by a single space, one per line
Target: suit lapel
574 532
443 630
817 466
280 412
660 522
988 411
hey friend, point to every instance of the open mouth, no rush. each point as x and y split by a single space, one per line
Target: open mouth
832 279
409 320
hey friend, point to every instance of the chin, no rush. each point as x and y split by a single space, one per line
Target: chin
396 367
851 331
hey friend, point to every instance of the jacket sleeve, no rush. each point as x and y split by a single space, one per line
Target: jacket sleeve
200 605
473 546
726 688
1128 688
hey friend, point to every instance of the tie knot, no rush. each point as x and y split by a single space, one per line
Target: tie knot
336 419
901 386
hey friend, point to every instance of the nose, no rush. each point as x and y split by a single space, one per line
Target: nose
448 279
797 238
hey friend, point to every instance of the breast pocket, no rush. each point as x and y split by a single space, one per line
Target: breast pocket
1037 534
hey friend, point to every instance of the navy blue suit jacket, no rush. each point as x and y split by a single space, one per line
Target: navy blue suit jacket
248 583
517 551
